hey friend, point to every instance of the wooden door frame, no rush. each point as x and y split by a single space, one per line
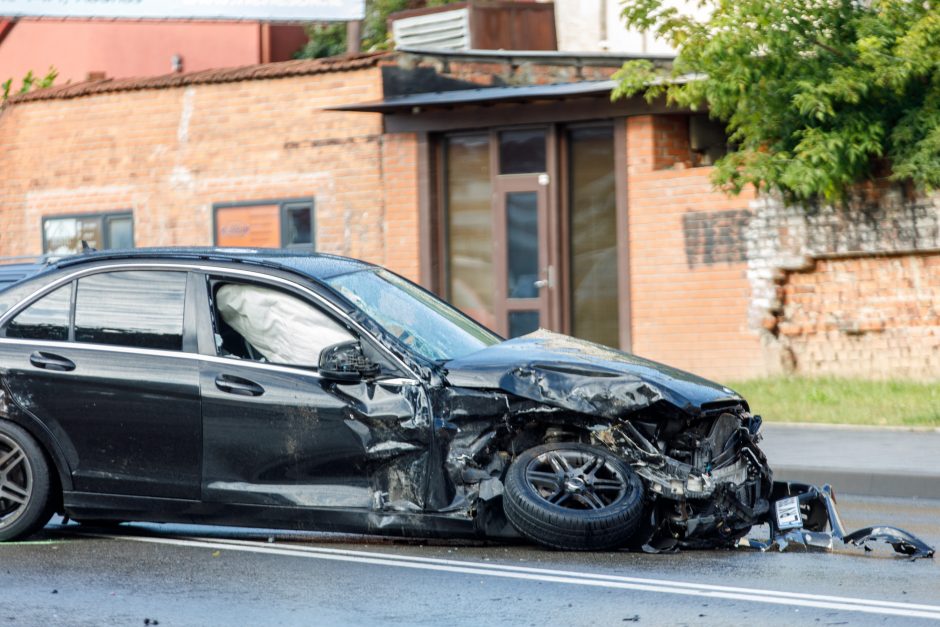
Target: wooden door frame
503 305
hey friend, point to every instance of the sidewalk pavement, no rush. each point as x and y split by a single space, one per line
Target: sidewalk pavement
868 461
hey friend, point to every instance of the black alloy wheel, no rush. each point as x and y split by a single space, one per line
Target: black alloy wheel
573 496
24 484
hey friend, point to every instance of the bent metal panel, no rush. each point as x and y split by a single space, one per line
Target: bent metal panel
274 10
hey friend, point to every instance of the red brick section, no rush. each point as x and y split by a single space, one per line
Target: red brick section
282 69
684 312
169 153
873 315
400 173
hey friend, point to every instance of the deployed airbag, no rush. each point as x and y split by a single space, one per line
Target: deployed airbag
281 327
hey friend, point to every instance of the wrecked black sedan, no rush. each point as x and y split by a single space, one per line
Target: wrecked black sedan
270 388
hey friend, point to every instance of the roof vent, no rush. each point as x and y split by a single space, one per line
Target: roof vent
445 30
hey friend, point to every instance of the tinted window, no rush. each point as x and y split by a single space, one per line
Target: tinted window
298 227
11 295
470 226
522 151
142 309
46 319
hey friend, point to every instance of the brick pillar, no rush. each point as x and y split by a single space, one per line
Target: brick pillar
400 186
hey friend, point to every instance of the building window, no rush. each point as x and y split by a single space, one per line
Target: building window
469 225
708 140
64 234
286 223
592 232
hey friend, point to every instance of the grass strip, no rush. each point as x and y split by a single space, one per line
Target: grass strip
830 400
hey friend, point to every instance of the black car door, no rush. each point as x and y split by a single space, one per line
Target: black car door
276 432
117 386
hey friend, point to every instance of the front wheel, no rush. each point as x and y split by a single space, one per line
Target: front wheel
24 484
572 496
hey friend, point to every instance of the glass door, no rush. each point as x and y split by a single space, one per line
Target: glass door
524 275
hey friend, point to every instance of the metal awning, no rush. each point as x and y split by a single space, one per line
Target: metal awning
482 96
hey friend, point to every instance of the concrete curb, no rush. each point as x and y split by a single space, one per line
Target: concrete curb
820 426
862 483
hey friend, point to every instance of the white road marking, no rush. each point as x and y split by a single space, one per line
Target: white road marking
756 595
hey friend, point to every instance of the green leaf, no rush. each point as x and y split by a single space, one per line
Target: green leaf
814 93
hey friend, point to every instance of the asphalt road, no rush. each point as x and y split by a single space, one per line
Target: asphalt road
186 575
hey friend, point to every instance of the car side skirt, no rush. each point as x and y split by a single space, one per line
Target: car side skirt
90 506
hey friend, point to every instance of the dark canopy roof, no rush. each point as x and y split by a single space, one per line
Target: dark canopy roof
483 95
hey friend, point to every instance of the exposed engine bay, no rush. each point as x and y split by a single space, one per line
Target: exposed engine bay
706 481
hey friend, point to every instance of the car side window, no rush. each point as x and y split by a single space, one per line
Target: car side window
136 308
268 325
45 319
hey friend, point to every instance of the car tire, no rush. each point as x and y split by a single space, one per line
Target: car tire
572 496
25 484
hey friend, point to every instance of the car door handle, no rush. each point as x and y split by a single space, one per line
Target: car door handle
49 361
237 385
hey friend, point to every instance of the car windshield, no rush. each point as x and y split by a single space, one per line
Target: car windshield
422 322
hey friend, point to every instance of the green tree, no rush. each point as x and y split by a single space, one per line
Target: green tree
327 40
817 95
30 81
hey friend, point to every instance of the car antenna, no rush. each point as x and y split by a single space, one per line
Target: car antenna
88 249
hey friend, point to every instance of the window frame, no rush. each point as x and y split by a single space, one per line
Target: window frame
198 342
285 206
104 217
190 302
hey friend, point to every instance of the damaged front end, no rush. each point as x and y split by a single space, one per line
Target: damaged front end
707 481
693 443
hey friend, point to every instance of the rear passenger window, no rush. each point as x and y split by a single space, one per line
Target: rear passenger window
141 309
46 319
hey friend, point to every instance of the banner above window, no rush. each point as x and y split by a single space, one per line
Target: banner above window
269 11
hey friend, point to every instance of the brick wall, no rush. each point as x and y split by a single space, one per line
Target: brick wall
848 290
400 173
877 316
168 154
689 287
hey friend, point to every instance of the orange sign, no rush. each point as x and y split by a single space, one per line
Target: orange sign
248 227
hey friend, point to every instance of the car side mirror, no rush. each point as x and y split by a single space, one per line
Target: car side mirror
346 362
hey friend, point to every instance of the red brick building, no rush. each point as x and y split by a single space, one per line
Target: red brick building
506 182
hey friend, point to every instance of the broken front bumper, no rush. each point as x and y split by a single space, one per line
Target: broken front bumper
806 516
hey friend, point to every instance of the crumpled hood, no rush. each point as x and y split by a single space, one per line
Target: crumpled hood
582 376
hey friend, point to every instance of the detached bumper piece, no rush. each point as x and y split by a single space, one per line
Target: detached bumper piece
805 515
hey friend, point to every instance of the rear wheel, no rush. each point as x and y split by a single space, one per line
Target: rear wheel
573 496
25 486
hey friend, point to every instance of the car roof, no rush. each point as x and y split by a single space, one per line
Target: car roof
15 272
315 265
